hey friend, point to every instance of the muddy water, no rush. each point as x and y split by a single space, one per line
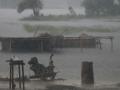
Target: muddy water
67 61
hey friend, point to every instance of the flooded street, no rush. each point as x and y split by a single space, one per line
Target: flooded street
67 61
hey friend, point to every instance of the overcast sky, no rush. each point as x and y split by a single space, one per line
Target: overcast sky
61 3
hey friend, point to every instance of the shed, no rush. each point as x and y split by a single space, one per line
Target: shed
25 44
83 41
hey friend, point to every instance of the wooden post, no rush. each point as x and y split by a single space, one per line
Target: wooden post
81 44
111 39
41 45
23 80
100 44
19 72
10 84
12 75
10 47
87 76
97 43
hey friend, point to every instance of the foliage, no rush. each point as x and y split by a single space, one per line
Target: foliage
35 5
101 7
63 30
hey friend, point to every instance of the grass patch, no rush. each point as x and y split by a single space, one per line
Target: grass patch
52 18
68 17
36 29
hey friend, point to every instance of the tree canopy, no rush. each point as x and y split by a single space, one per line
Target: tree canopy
101 7
35 5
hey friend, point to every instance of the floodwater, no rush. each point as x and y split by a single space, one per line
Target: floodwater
67 61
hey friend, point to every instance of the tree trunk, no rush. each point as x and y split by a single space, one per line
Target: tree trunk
36 11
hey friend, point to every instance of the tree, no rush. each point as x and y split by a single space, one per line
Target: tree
35 5
72 12
117 7
99 7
